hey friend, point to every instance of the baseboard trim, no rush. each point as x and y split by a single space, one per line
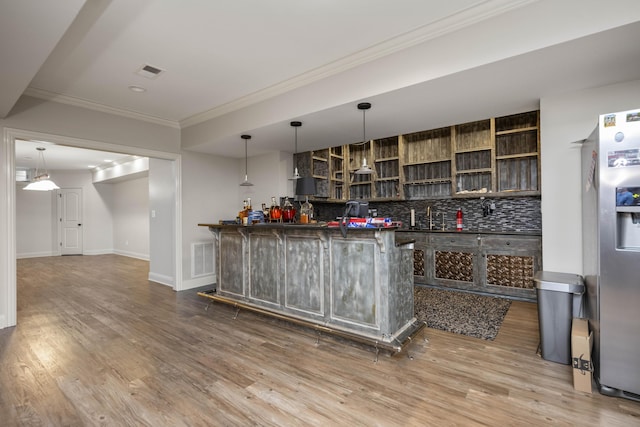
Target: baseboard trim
98 252
35 255
161 279
144 257
209 279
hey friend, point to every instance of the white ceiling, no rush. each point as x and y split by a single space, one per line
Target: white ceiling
253 66
60 157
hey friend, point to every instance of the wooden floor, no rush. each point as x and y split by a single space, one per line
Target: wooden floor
97 344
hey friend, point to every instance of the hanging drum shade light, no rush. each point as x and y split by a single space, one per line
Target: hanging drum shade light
246 182
364 169
296 175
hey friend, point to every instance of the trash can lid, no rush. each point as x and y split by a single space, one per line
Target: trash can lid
559 282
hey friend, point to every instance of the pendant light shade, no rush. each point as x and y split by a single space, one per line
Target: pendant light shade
364 169
41 181
246 182
296 175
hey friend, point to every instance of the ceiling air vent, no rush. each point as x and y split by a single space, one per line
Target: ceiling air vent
149 71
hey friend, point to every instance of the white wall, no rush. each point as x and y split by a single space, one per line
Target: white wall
130 210
208 184
37 230
564 119
34 225
54 118
162 210
269 174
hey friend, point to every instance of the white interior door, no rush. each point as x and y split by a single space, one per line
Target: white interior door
70 220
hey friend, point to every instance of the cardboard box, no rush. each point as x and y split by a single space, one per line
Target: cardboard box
581 341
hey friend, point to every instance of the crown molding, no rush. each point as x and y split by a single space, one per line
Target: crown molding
464 18
78 102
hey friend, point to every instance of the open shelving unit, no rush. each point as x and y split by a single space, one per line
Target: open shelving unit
497 156
427 164
517 147
387 168
473 160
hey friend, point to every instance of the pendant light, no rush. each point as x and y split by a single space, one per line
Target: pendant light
246 182
41 181
364 169
296 175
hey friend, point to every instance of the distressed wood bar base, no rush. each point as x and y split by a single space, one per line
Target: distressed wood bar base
358 287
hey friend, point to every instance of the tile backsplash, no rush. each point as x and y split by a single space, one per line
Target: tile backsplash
510 214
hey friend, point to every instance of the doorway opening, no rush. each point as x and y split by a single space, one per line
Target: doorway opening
171 164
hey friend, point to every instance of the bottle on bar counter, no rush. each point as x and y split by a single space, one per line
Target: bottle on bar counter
275 213
288 211
244 213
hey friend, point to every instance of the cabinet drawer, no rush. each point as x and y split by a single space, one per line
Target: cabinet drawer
515 243
454 240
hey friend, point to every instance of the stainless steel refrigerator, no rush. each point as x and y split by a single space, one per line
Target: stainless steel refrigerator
611 250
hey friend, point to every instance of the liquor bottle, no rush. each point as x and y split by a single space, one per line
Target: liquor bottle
244 213
288 211
306 212
275 213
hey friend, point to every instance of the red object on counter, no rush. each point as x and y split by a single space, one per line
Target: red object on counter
459 220
288 214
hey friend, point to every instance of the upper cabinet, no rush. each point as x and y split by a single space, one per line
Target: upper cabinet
473 157
386 176
517 152
427 164
498 156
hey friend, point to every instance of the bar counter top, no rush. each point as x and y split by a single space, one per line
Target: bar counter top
323 225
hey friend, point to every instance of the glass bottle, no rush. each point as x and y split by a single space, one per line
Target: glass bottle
288 211
306 212
244 213
275 213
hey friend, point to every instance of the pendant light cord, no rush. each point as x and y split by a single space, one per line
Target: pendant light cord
364 127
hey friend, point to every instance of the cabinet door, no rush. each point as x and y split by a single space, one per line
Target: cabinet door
453 261
509 263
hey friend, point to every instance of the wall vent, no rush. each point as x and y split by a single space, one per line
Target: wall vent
149 71
23 175
201 259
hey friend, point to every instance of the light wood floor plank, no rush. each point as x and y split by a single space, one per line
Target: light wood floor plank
98 344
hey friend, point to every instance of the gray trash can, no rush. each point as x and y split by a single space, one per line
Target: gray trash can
559 301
